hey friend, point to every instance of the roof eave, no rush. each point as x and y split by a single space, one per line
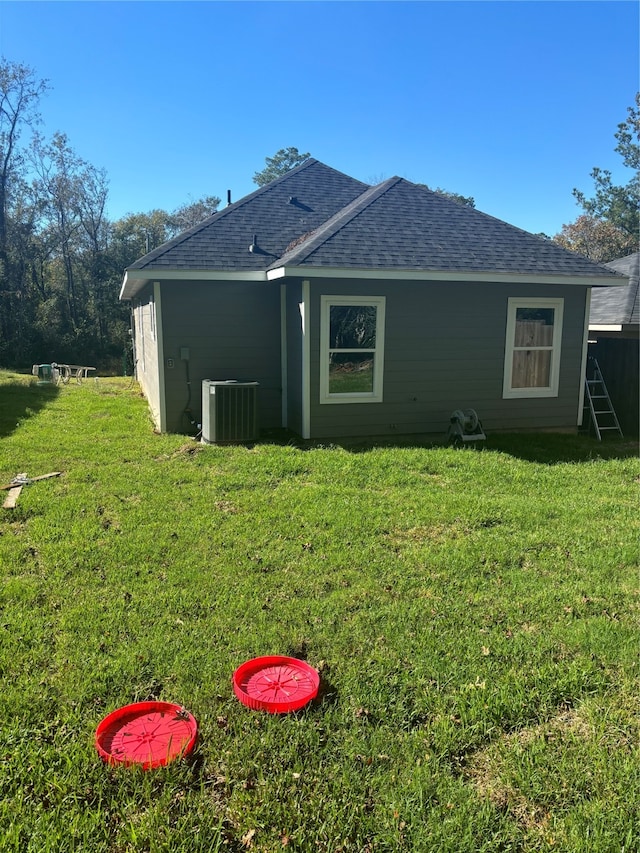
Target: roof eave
443 275
135 280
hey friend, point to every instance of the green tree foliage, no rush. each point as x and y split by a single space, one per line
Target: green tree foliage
136 234
282 162
467 200
193 213
20 93
619 204
61 258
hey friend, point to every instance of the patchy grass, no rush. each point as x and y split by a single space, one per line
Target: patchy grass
473 616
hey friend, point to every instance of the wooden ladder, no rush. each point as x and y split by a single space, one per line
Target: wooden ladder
598 403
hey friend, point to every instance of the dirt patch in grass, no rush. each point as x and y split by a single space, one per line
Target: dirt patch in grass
188 450
227 507
441 532
488 769
438 533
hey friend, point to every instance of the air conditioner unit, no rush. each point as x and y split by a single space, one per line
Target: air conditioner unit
229 411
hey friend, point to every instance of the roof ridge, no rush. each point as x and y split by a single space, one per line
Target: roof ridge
335 223
160 250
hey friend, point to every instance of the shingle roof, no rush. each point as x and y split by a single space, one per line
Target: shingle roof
315 216
400 225
618 305
275 215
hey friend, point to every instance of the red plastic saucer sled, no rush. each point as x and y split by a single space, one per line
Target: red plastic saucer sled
275 684
146 733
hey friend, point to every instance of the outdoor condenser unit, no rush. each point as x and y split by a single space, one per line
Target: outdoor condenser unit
229 411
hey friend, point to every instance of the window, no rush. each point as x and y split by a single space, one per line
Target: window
532 352
351 349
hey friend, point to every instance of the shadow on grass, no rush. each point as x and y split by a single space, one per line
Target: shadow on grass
543 448
20 400
553 449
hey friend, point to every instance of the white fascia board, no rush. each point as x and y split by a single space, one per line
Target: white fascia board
125 288
605 328
442 275
135 280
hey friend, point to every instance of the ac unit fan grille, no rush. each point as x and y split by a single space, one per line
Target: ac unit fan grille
229 412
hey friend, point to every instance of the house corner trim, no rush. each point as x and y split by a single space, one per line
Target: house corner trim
305 309
162 396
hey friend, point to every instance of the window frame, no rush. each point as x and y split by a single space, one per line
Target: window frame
376 395
550 390
152 316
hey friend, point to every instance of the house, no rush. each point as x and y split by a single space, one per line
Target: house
614 340
363 311
615 313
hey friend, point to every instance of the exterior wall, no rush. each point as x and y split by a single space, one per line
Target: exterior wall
444 350
232 331
145 332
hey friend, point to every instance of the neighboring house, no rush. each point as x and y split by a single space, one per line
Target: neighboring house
615 312
363 311
614 339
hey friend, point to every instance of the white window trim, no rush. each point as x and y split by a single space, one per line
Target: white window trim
141 341
152 311
533 302
375 396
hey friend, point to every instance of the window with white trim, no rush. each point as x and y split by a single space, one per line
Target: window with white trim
351 349
532 351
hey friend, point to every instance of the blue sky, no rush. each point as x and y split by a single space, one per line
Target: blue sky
511 102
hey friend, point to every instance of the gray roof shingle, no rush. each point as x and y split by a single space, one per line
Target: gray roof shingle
405 226
222 241
618 305
315 216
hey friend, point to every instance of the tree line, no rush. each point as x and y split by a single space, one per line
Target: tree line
62 258
609 228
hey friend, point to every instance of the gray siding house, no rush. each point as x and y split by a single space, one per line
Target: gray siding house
615 313
363 311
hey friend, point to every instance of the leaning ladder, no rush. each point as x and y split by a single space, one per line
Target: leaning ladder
598 403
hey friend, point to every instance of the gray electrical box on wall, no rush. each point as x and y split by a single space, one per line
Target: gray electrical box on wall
184 353
229 411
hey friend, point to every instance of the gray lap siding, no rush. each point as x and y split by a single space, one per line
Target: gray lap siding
232 330
146 351
444 349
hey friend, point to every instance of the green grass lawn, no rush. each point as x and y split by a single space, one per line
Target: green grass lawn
473 615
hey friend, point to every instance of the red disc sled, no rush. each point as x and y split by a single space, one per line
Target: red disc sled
146 733
275 684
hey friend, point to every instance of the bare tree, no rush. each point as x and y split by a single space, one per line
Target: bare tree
20 92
